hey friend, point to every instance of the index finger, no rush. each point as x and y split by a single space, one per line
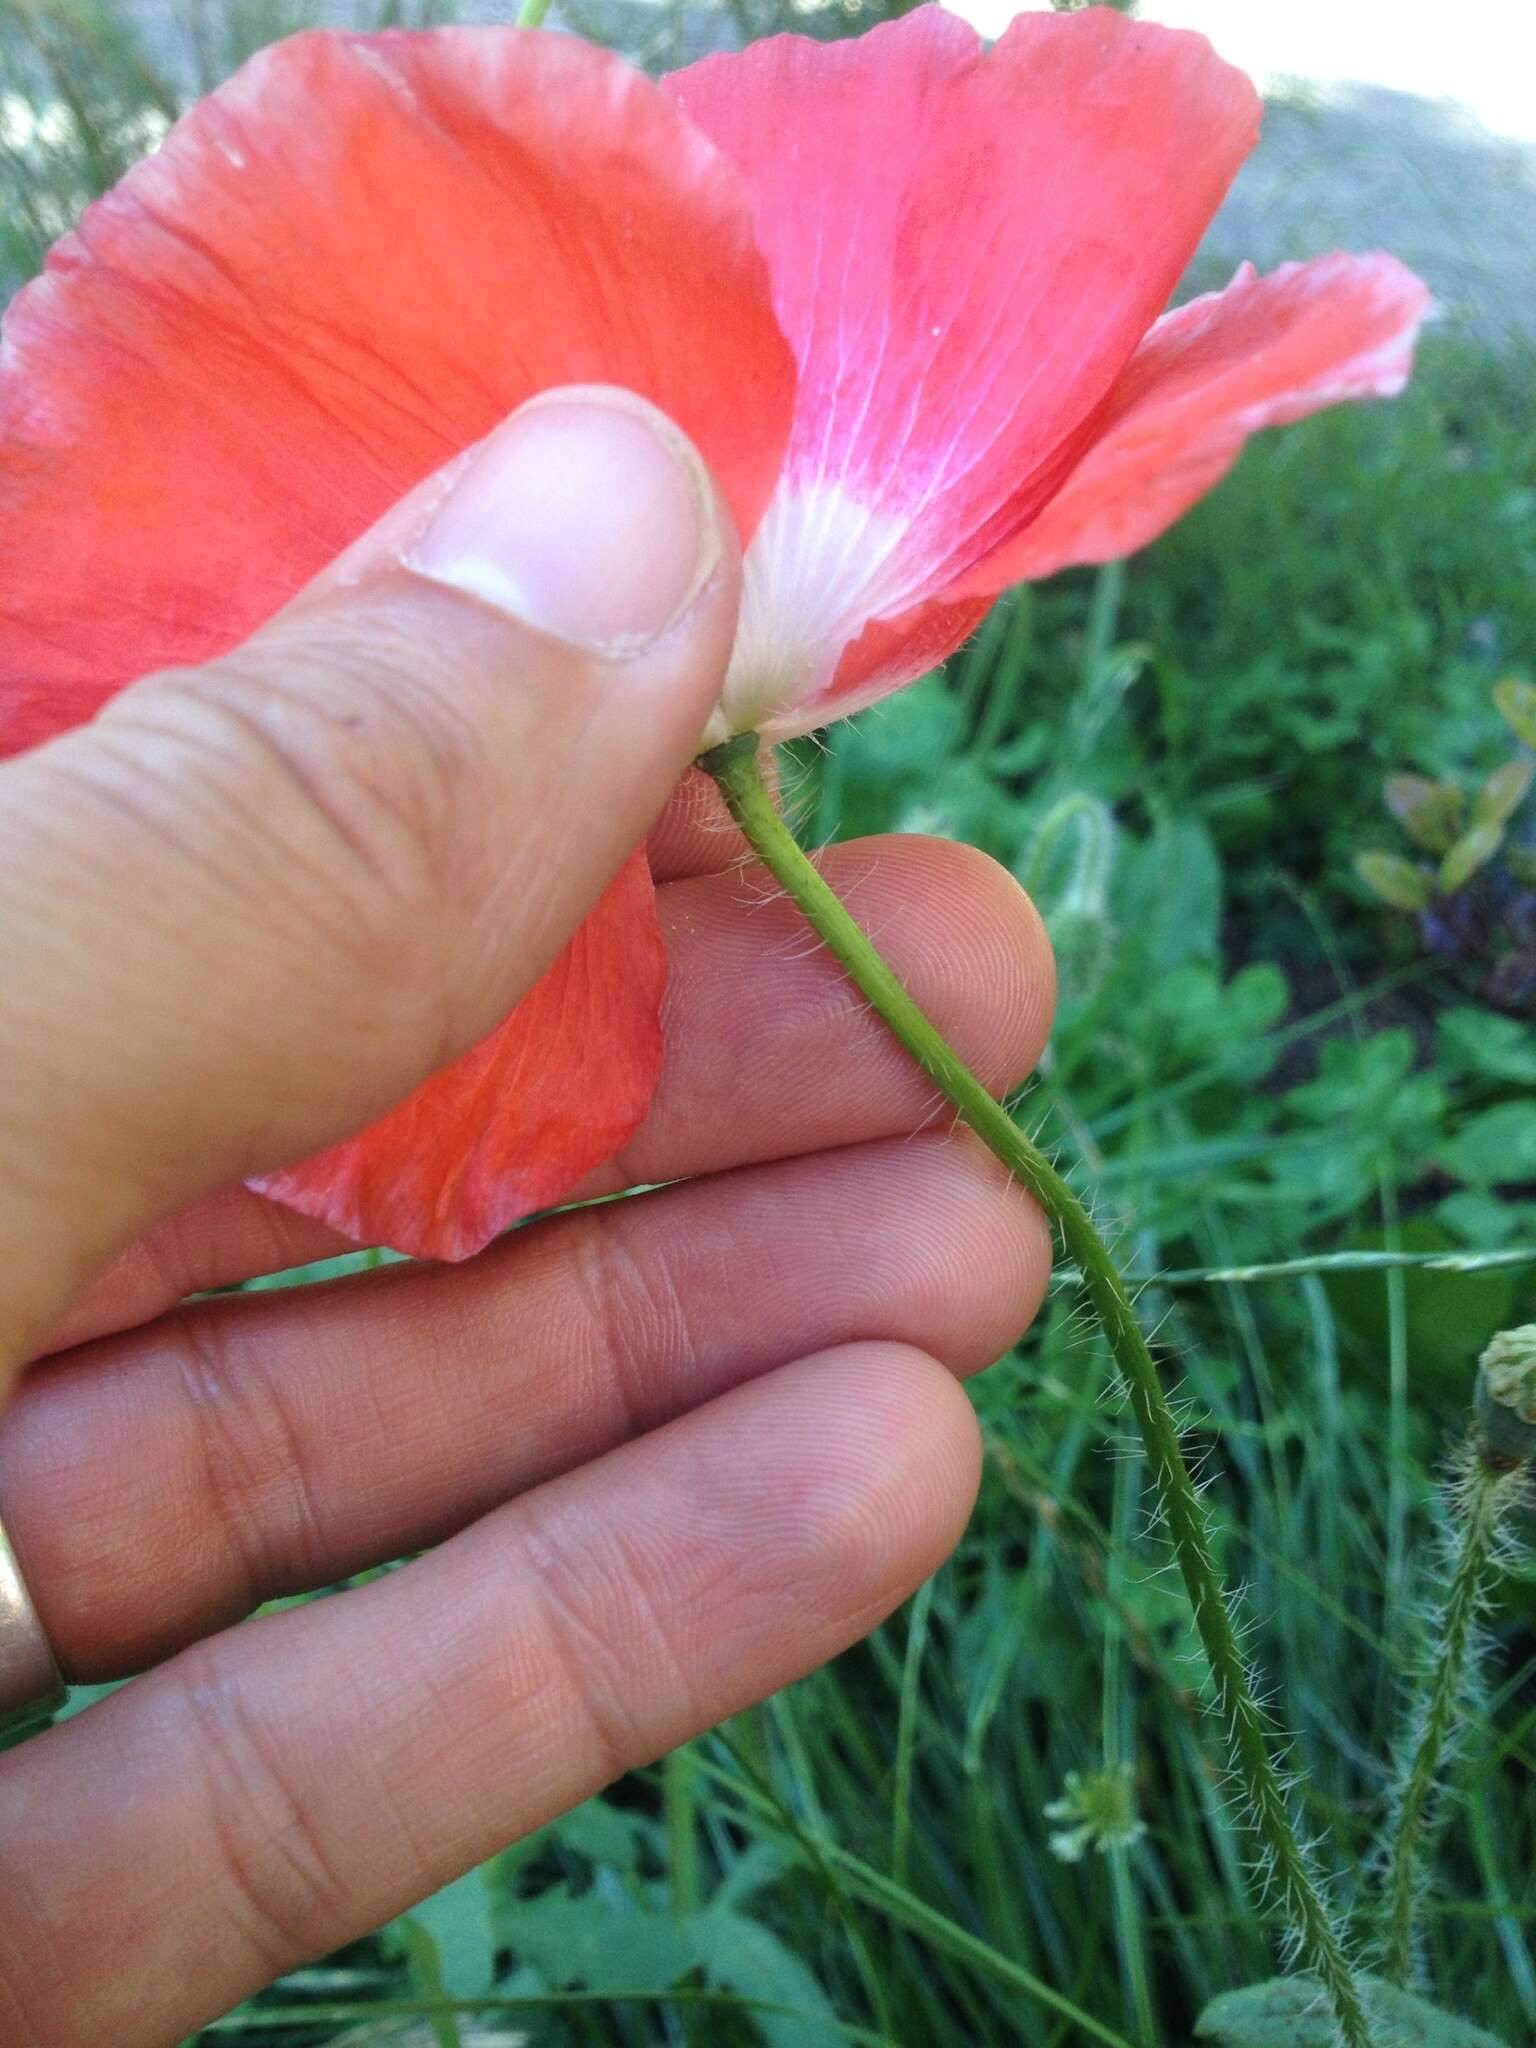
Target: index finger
768 1050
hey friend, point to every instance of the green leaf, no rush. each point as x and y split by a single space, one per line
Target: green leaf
742 1955
1483 1042
427 1980
1256 998
1496 1147
1473 850
956 799
1450 1315
1429 812
1480 1219
1502 794
608 1941
607 1834
919 728
1288 2012
600 1941
1521 862
1516 702
1358 1082
1173 894
758 1866
1393 879
451 1942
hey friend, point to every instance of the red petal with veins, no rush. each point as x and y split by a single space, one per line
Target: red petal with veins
966 250
892 652
1266 351
346 265
514 1124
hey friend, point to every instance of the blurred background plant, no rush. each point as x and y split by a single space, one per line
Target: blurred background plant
1475 899
1297 1065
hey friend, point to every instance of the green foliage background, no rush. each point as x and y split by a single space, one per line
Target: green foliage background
1255 1063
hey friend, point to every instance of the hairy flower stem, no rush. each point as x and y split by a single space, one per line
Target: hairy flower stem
1484 1498
736 768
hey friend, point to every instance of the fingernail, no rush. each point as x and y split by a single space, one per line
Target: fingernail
587 515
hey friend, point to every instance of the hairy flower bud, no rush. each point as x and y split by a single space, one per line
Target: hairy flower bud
1505 1401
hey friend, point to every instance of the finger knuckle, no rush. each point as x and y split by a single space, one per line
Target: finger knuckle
636 1307
608 1639
276 1881
253 1469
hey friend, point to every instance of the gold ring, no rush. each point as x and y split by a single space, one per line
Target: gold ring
31 1682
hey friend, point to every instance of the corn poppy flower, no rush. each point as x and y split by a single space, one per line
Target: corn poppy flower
904 294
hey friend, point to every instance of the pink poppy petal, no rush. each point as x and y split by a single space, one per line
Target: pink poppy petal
524 1116
347 264
890 653
1264 352
965 250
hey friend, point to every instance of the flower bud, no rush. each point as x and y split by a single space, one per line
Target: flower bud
1505 1402
1066 868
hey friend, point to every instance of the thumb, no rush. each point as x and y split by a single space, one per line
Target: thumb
255 903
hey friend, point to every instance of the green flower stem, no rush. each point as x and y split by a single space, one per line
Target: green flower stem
531 14
735 767
1484 1498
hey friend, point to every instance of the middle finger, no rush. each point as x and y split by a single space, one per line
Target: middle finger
161 1484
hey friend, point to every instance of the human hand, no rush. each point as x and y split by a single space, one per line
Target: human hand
672 1452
